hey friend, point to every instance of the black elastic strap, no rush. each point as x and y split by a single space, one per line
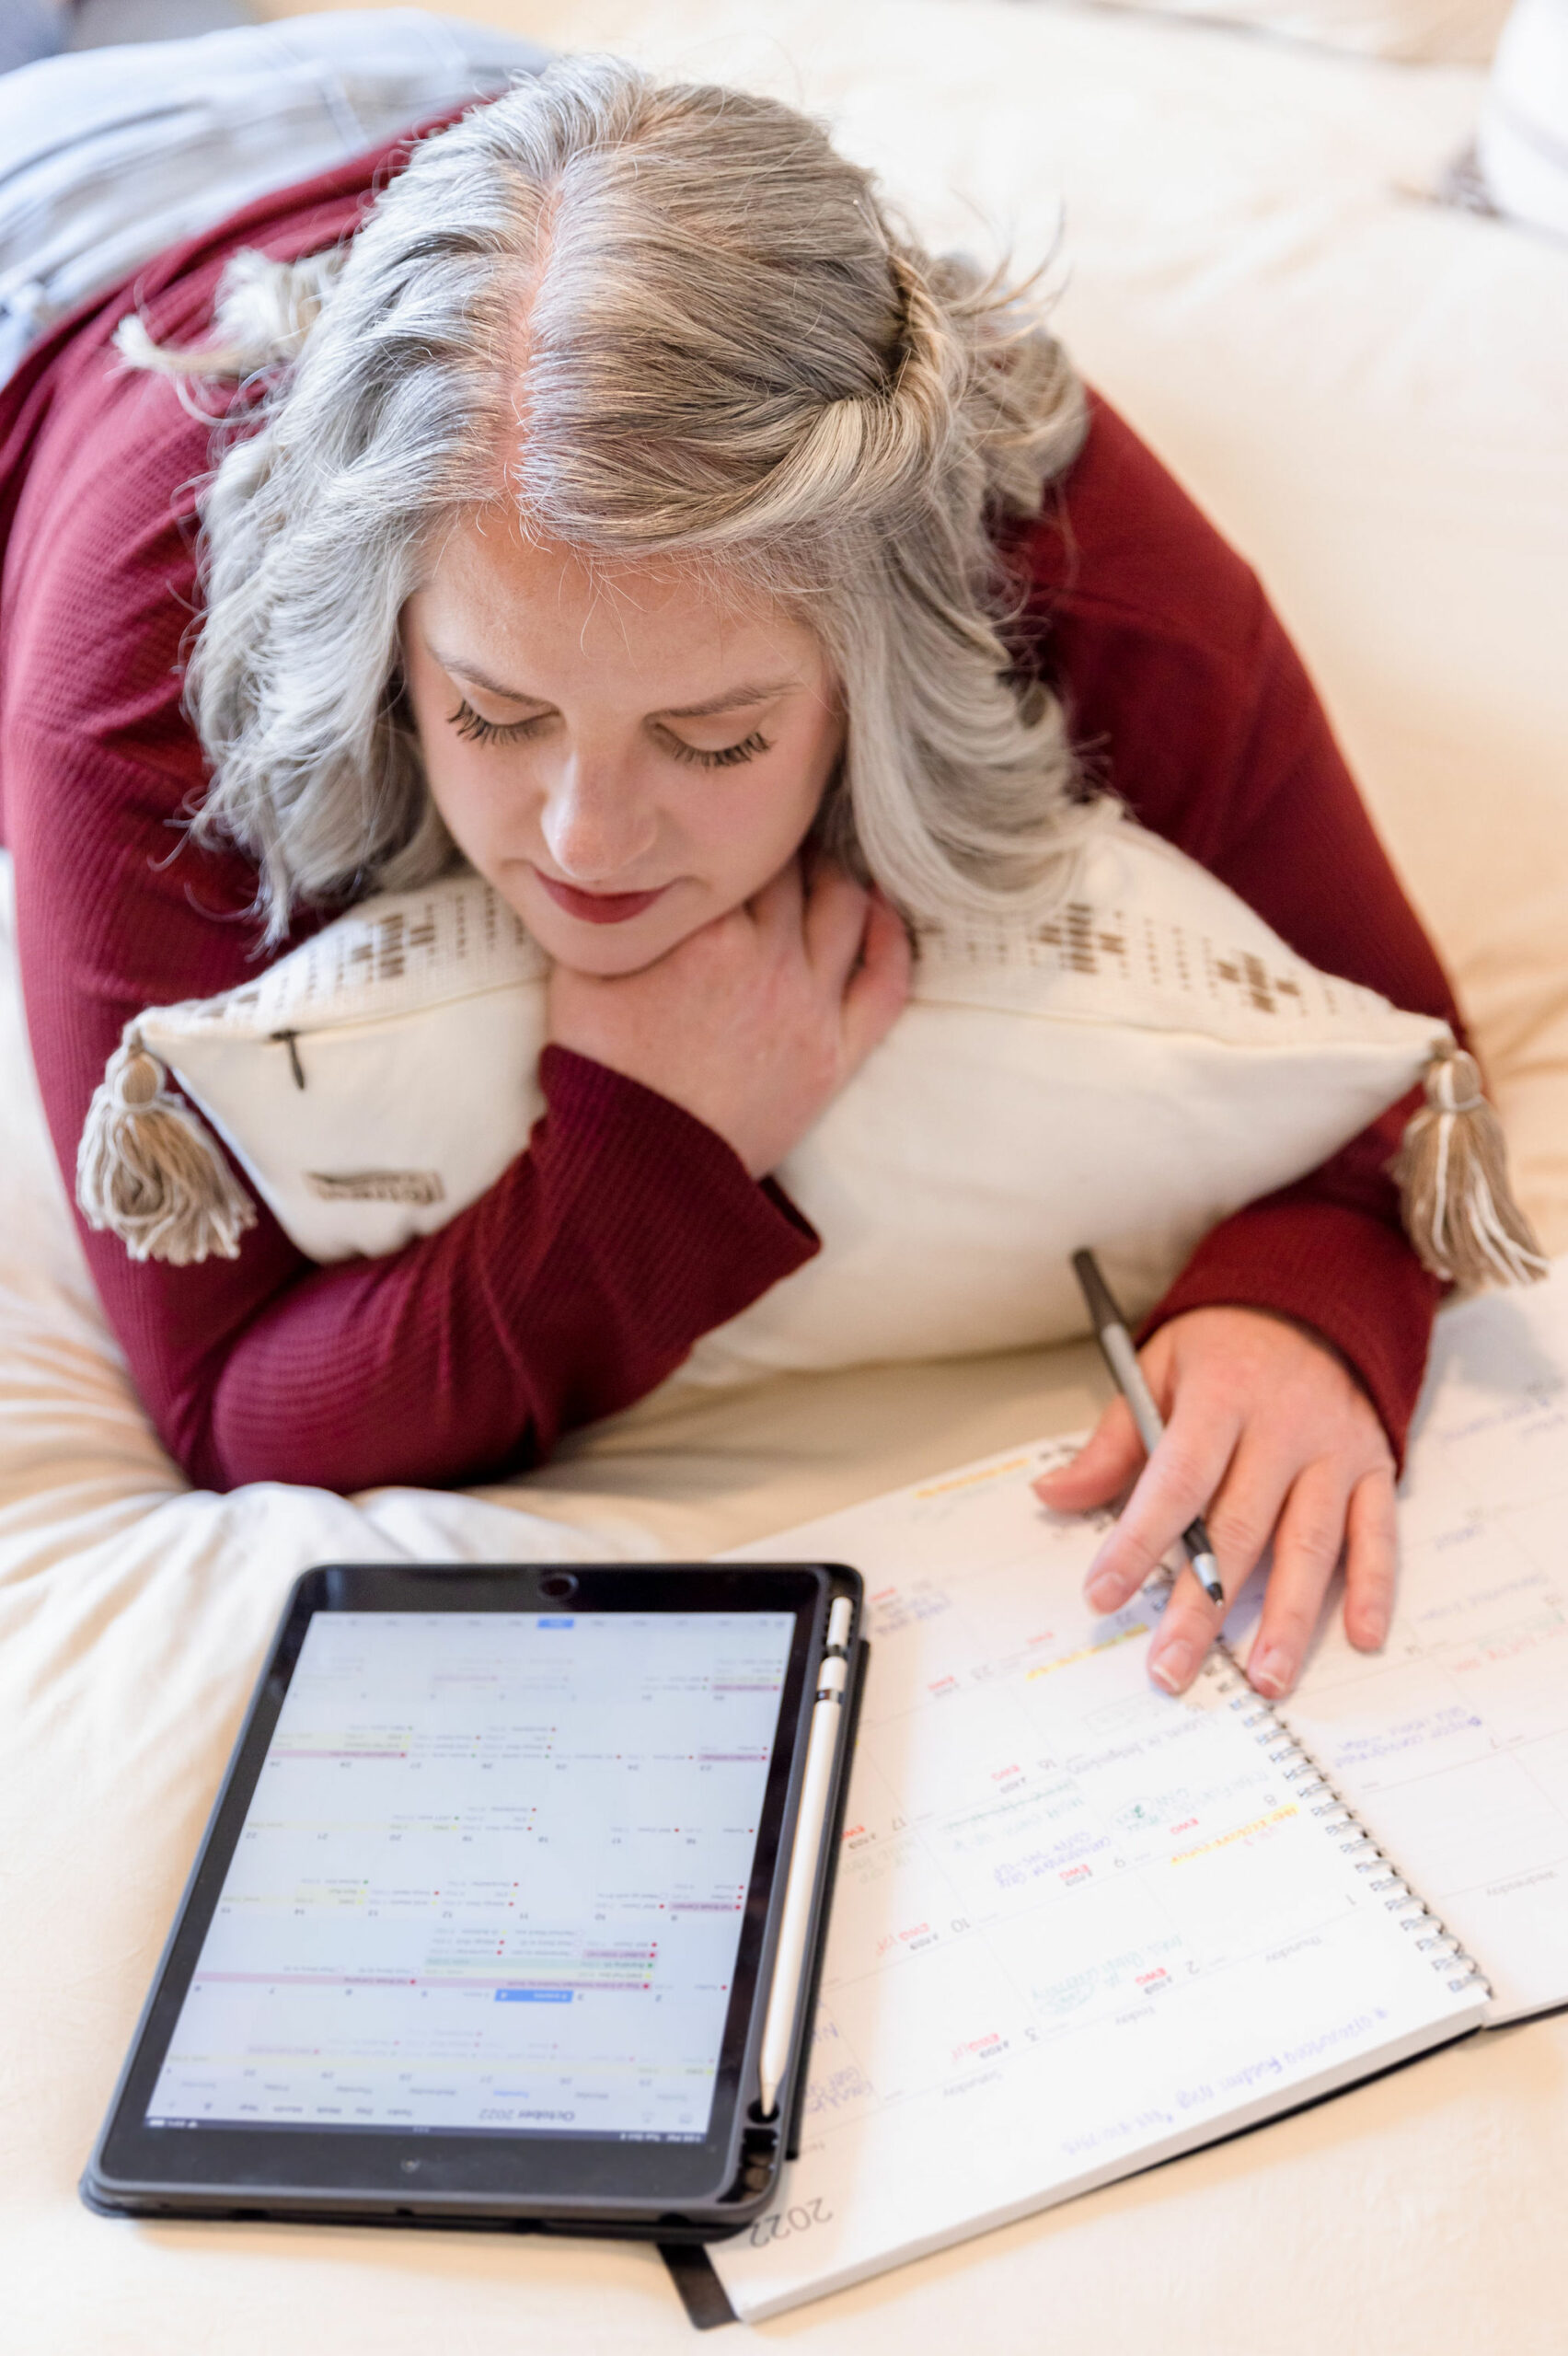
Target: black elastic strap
702 2295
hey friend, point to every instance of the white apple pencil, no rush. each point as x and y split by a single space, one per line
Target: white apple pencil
811 1829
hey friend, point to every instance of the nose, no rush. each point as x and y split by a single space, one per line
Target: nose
595 825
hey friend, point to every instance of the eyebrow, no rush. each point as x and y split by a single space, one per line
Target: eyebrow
734 699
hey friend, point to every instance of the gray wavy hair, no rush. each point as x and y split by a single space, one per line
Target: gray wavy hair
669 320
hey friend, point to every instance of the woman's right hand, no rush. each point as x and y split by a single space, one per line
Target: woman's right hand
753 1024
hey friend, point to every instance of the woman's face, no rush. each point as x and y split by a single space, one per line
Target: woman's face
624 755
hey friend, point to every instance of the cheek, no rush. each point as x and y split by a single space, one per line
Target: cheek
755 817
488 799
474 795
467 801
738 836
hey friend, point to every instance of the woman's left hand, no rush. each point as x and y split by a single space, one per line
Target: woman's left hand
1268 1436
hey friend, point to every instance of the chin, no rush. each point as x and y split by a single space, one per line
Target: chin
607 960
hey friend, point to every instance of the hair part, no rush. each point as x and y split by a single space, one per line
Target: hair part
662 321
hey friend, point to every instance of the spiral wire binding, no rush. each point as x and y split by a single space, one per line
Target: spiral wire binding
1313 1788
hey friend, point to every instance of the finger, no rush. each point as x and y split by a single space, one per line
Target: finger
1108 1461
1371 1567
879 988
835 920
1238 1523
1248 1505
1307 1551
1177 1483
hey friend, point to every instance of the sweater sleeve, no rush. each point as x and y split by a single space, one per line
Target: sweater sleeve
1191 704
575 1286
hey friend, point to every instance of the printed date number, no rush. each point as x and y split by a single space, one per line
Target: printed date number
785 2221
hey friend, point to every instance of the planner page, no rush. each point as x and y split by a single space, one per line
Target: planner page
1452 1742
1080 1925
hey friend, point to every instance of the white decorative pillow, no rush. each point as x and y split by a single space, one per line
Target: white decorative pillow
375 1081
1124 1073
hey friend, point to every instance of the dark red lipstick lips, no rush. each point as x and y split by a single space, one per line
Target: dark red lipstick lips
599 908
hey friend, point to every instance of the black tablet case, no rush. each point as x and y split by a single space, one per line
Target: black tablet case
702 2295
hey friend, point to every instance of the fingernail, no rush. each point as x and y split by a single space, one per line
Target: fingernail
1106 1592
1269 1671
1173 1665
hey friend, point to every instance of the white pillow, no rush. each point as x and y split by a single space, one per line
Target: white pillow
1125 1074
1522 140
1457 32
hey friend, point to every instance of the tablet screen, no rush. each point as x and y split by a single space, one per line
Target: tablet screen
492 1878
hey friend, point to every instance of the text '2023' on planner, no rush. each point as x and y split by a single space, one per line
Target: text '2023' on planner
1081 1927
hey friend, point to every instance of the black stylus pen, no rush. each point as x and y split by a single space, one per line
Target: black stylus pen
1116 1348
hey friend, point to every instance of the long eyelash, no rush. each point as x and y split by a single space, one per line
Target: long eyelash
479 731
729 756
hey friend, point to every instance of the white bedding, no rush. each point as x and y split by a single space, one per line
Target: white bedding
1372 394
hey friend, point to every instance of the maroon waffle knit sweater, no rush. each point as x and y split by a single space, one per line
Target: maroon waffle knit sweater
628 1229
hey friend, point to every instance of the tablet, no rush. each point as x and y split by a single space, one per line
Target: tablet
481 1929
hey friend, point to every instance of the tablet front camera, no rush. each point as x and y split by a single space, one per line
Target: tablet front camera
558 1585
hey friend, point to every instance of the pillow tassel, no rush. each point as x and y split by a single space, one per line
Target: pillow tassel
1452 1169
149 1171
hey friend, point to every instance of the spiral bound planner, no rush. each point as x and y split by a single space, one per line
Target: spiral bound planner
1080 1926
1312 1789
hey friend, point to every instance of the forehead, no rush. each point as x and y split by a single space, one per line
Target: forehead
548 619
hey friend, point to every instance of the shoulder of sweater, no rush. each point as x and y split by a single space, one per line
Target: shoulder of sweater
1121 547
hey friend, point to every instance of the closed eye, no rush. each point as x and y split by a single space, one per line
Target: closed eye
727 756
477 730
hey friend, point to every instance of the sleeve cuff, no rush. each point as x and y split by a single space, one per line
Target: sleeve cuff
672 1200
1350 1277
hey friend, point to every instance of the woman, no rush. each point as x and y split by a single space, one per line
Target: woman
643 520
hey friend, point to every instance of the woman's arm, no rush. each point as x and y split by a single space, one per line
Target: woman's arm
1288 1354
1192 705
581 1279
